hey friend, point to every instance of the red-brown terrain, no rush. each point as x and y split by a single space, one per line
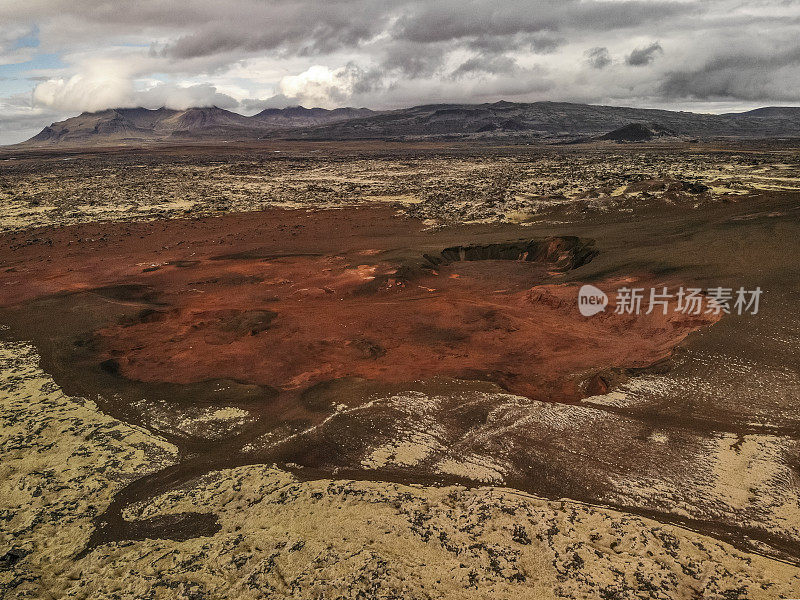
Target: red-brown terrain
299 317
290 299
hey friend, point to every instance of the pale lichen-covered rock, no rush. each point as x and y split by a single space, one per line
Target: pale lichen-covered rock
61 461
280 537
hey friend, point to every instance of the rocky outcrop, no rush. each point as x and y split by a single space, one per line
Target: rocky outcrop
637 132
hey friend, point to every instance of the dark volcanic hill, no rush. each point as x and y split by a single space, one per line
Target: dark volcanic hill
637 132
545 121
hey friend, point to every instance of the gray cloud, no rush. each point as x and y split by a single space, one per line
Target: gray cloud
755 77
413 60
644 56
247 54
598 57
545 42
453 19
541 42
486 64
302 28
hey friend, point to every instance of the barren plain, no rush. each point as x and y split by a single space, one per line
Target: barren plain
358 370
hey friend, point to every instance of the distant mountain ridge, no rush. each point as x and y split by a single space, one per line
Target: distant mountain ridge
131 125
555 121
544 121
298 116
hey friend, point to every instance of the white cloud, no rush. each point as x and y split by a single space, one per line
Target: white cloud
118 78
321 86
84 92
182 96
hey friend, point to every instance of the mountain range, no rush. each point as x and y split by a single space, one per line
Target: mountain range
545 121
132 125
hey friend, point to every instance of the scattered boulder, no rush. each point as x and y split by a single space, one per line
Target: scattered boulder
695 187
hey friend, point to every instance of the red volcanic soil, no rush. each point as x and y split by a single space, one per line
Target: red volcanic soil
290 299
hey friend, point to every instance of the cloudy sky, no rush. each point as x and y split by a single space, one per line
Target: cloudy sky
61 57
